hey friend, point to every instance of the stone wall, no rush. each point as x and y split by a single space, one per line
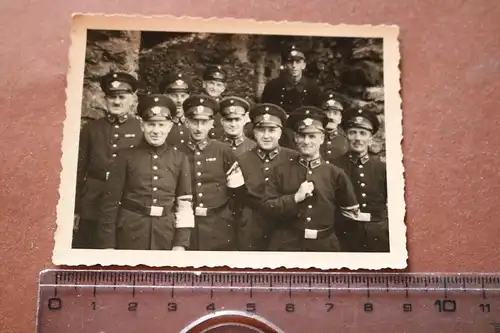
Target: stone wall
106 51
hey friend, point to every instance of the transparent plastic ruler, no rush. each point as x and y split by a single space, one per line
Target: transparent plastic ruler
259 301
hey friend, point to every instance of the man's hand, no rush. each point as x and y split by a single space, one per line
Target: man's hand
76 222
305 190
178 248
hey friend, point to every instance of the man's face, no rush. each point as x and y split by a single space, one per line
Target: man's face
214 88
178 98
120 103
308 144
233 126
156 132
267 137
359 140
334 117
295 67
199 128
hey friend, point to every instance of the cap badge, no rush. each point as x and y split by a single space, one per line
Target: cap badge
156 99
358 120
156 109
307 111
360 111
115 84
293 53
331 96
231 101
330 102
179 75
232 108
308 122
266 117
267 108
201 100
199 108
179 82
114 75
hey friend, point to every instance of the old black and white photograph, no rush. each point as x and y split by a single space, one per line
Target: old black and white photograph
224 142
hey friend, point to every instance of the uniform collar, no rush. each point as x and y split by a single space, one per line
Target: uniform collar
359 160
312 164
234 142
332 134
290 84
268 154
200 145
121 119
179 121
158 149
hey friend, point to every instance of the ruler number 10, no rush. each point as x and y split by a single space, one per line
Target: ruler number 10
446 305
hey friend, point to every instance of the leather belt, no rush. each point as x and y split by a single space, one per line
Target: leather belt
144 210
99 175
317 234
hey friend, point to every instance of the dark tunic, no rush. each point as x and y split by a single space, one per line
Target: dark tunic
210 160
333 192
239 145
101 142
284 92
179 132
335 145
255 227
144 177
369 178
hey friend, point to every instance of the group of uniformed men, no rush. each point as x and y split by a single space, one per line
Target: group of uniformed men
186 172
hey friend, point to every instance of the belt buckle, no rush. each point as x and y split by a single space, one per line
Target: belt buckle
155 211
310 234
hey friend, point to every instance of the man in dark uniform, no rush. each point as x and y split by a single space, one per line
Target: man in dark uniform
368 175
215 175
177 88
233 111
255 226
308 192
148 200
335 143
101 142
291 89
214 85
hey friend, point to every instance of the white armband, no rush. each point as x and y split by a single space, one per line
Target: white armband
184 216
351 212
234 176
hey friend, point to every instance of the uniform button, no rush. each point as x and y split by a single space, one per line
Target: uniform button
310 206
155 167
308 219
363 194
267 169
360 166
266 179
267 161
155 156
329 142
182 141
131 146
155 189
197 153
362 184
201 205
116 135
329 152
327 162
114 155
181 132
114 146
200 194
363 205
310 172
198 174
155 200
234 148
117 126
199 163
361 174
199 184
155 177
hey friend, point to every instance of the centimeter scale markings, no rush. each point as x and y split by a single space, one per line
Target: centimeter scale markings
170 301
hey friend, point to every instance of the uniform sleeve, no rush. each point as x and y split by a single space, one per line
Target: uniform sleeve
83 160
110 204
274 201
184 216
314 94
346 197
267 95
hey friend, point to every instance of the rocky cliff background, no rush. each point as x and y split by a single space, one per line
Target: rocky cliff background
351 68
